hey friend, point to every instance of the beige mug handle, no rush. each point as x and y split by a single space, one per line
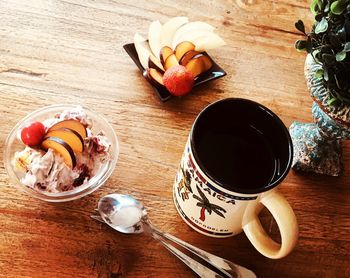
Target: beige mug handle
285 218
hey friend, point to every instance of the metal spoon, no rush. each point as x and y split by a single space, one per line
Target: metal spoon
126 215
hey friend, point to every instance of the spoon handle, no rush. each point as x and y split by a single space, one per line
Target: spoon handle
225 266
197 267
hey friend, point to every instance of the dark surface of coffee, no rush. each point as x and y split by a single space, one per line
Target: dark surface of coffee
239 158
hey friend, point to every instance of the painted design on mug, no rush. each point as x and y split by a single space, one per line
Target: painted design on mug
207 206
195 223
184 184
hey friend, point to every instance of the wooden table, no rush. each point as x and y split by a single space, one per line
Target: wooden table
71 52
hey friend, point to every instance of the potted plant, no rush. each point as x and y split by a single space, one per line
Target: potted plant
317 146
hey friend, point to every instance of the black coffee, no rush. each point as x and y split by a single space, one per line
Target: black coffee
238 157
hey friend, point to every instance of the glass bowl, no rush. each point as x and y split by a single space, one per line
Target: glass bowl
14 144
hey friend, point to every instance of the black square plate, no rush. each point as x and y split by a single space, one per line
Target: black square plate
215 72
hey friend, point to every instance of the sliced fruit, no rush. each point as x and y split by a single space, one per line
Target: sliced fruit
199 64
71 124
62 148
22 160
169 28
210 41
178 80
33 134
142 49
153 62
188 56
194 27
154 37
182 48
155 76
190 36
206 61
165 52
170 62
71 137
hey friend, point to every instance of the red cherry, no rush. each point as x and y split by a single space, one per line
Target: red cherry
33 134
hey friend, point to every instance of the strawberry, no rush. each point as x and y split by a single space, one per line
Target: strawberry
178 80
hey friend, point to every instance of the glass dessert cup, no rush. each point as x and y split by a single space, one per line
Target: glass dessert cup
13 144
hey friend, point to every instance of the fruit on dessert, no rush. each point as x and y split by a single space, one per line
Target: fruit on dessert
188 57
143 50
154 31
182 48
22 161
198 64
33 134
68 156
69 136
192 27
62 148
153 62
71 124
165 52
155 76
171 61
169 28
178 80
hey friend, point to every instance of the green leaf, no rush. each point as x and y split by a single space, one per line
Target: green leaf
320 4
332 101
326 8
300 26
325 74
313 7
337 81
340 56
321 26
347 47
338 7
329 59
300 45
319 73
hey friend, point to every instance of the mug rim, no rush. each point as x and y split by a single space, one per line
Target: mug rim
237 189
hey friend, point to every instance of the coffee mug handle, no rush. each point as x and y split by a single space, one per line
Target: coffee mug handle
286 221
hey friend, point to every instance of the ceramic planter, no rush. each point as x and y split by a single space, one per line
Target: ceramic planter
317 146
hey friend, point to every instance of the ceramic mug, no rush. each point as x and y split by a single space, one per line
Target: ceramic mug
237 152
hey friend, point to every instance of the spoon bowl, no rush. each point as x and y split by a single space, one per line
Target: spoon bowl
122 212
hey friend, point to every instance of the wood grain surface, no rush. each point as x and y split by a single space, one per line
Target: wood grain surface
71 52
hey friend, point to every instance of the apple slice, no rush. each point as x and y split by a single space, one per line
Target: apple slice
190 36
199 64
170 62
153 62
188 56
62 148
182 48
142 49
71 137
169 28
165 52
154 37
71 124
155 76
207 42
193 27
